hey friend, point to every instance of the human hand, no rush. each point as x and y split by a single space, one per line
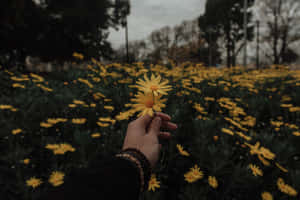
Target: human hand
143 133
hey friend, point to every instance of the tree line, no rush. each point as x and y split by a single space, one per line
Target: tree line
54 29
217 36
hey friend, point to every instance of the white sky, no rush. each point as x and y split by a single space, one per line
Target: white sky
149 15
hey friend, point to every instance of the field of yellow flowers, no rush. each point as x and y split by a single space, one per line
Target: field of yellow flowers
238 133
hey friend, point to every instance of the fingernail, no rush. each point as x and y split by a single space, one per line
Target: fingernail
158 120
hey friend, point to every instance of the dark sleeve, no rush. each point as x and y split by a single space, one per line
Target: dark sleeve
110 179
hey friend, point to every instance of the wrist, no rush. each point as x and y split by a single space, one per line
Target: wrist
141 162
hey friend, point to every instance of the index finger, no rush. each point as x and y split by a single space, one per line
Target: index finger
163 116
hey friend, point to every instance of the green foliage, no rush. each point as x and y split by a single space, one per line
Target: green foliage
225 19
53 30
225 157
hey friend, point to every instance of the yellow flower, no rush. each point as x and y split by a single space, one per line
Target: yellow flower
45 125
286 105
3 107
79 121
294 109
213 181
267 153
34 182
107 119
193 175
103 124
45 88
125 115
78 56
52 146
85 82
153 183
286 188
95 135
19 79
78 102
281 168
255 170
37 78
26 161
15 85
109 108
56 178
266 196
181 151
92 105
199 108
296 133
146 103
96 79
72 105
60 148
209 98
16 131
225 130
153 86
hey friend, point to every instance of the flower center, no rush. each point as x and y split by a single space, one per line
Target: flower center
149 103
154 87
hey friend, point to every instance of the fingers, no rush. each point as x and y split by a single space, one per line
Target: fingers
164 135
169 125
155 125
163 116
143 121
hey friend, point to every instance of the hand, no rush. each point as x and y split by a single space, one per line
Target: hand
143 133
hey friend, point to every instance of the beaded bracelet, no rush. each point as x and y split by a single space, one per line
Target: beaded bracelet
137 164
144 161
145 170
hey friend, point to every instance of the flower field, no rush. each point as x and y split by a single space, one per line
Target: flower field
238 133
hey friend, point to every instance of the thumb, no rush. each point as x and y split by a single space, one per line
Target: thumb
154 127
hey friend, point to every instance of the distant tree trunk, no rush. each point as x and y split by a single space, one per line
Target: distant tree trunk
228 46
284 45
233 53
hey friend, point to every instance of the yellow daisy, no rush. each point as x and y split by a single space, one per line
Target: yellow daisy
79 121
255 170
285 188
213 182
194 174
153 183
34 182
181 151
26 161
145 103
45 125
16 131
103 124
95 135
153 85
266 196
56 178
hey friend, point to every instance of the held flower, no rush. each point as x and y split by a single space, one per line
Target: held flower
146 104
153 85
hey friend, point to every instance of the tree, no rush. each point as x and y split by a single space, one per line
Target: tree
280 19
227 24
160 42
138 52
54 29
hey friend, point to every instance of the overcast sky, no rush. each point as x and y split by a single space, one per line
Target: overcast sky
149 15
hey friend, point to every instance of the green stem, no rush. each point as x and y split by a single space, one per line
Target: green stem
153 101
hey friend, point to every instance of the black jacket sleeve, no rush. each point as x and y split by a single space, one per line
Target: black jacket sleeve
110 179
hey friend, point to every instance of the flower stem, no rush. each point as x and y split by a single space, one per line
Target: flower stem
153 101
